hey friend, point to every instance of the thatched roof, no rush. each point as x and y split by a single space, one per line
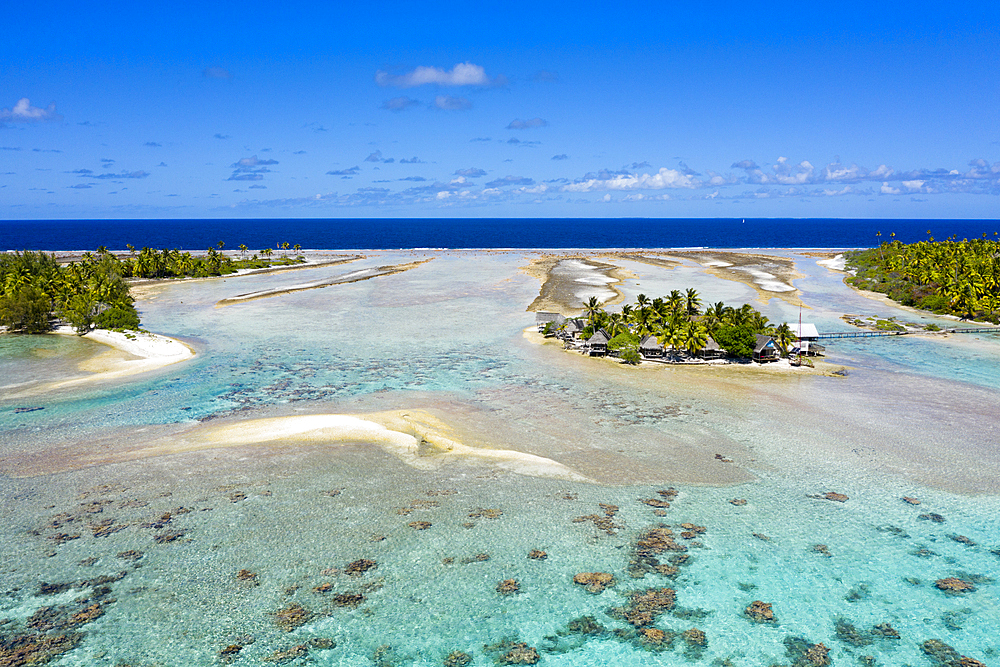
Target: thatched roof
764 341
711 346
650 343
599 338
542 317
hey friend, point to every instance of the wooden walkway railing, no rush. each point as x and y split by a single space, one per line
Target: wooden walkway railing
879 334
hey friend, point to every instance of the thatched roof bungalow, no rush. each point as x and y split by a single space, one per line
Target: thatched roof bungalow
649 346
573 327
542 320
711 350
597 345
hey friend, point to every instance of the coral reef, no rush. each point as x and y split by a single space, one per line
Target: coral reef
514 653
604 523
287 655
760 612
419 525
457 659
645 606
536 554
954 585
805 654
348 599
291 617
886 631
585 625
360 566
595 582
508 587
945 656
695 637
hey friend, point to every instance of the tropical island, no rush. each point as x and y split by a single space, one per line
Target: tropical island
38 291
950 277
672 328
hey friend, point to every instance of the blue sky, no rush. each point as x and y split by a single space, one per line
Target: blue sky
499 110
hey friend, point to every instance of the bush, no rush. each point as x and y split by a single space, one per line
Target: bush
630 355
623 341
25 310
738 341
118 318
936 303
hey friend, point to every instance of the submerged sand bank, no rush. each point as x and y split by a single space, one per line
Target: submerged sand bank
569 280
145 287
130 354
416 437
352 277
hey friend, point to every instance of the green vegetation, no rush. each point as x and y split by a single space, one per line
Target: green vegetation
947 277
150 263
678 322
35 289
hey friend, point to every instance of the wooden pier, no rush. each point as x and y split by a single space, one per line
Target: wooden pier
880 334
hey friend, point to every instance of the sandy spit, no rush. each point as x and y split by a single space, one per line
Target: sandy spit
131 353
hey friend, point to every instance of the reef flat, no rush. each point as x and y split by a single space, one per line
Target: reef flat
389 473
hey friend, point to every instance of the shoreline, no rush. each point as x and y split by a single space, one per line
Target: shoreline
129 354
781 366
141 287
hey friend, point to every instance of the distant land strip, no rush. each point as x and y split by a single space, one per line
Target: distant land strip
352 277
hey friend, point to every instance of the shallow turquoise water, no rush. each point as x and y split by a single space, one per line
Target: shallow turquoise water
449 334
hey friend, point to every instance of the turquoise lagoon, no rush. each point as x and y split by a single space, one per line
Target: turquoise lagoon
912 417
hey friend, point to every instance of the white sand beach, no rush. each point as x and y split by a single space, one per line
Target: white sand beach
129 354
838 263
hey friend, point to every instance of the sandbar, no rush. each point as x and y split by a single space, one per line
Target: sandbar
351 277
131 353
565 278
416 437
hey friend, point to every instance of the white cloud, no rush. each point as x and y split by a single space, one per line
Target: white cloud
665 178
450 103
887 189
25 113
882 172
462 74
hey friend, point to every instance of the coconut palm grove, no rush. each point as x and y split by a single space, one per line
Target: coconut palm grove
950 277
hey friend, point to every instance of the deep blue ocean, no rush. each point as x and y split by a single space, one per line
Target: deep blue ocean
393 233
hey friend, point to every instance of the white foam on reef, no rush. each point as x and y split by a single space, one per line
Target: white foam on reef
838 263
767 281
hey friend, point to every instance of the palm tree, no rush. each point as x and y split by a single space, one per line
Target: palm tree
675 300
783 336
693 302
695 338
243 250
592 306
